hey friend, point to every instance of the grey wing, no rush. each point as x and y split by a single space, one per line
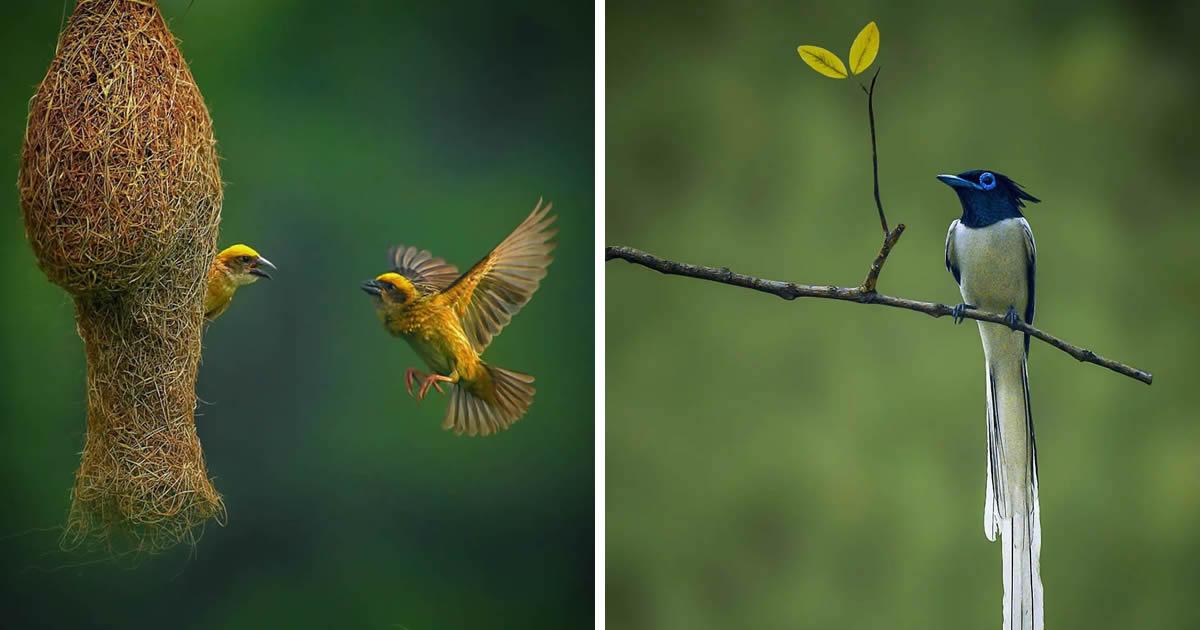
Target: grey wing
421 268
1030 273
951 263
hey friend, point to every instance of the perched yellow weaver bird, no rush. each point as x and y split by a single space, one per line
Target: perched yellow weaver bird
234 267
449 320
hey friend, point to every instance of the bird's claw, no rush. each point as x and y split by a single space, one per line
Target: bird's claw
432 381
1011 318
411 375
957 311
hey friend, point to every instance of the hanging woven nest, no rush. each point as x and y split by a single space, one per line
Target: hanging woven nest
121 196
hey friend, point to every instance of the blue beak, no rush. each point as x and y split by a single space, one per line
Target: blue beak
954 181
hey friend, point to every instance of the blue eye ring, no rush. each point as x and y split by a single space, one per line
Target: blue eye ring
987 181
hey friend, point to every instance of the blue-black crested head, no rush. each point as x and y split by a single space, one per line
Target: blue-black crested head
987 196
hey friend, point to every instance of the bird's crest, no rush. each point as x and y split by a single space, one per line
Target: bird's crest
234 251
397 280
1005 183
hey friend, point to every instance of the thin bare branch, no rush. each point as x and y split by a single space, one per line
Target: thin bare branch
864 294
889 241
875 154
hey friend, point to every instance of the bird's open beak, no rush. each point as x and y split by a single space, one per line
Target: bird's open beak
955 181
372 287
257 270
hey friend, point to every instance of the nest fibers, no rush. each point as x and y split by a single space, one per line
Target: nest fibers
121 195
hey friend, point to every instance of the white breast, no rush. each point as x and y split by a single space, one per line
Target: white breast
993 265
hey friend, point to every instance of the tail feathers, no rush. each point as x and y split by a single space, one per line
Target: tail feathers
995 504
1022 544
479 409
1011 506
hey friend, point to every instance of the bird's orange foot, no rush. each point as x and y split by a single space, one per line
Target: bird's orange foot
432 380
412 375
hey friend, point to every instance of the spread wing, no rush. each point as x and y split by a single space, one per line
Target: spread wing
951 263
427 273
491 292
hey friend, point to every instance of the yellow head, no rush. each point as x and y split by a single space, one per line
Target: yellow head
243 264
390 289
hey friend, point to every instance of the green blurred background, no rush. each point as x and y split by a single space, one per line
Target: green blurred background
344 127
820 464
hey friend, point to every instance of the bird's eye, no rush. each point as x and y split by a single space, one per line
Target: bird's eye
987 180
245 259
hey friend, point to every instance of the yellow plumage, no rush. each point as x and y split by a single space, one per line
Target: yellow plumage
449 319
234 267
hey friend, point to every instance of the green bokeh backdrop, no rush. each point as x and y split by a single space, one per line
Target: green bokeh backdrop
820 464
344 127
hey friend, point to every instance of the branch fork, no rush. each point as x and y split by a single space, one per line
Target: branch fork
866 292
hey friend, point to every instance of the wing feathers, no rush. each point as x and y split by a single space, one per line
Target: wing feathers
951 264
1030 274
495 288
426 272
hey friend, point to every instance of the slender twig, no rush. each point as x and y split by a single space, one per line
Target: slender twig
875 154
861 294
889 241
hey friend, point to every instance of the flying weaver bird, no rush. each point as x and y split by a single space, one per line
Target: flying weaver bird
234 267
991 254
449 320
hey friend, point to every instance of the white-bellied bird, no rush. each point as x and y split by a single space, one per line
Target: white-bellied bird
990 251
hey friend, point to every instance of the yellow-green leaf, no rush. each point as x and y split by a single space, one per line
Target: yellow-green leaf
823 61
864 48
